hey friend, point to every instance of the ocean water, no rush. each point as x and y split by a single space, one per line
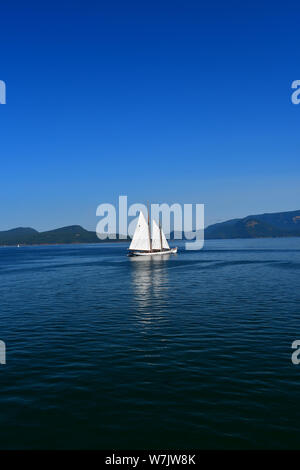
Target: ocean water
190 351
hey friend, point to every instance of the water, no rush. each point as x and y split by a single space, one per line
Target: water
194 351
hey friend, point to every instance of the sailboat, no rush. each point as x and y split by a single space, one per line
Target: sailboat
144 243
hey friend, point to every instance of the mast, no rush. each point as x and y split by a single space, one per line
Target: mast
161 246
149 228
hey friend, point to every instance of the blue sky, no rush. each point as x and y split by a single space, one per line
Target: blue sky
167 101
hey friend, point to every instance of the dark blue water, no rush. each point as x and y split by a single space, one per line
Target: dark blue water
194 351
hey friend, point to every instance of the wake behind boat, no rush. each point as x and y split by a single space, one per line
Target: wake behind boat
146 244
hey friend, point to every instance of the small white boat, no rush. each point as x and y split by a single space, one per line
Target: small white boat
144 243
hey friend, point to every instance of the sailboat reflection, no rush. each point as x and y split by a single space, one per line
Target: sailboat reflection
151 284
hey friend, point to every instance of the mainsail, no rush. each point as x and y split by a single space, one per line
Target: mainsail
140 240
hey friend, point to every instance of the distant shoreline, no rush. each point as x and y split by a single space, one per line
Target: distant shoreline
22 245
268 225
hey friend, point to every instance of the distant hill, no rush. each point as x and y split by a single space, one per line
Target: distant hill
29 236
279 224
70 234
13 236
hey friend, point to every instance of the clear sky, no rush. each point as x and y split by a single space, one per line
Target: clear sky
180 101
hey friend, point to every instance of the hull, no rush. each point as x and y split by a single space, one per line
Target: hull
153 253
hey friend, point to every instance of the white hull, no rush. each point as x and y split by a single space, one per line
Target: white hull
153 253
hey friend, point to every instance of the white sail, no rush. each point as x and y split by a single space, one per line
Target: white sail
165 243
156 240
140 240
155 236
